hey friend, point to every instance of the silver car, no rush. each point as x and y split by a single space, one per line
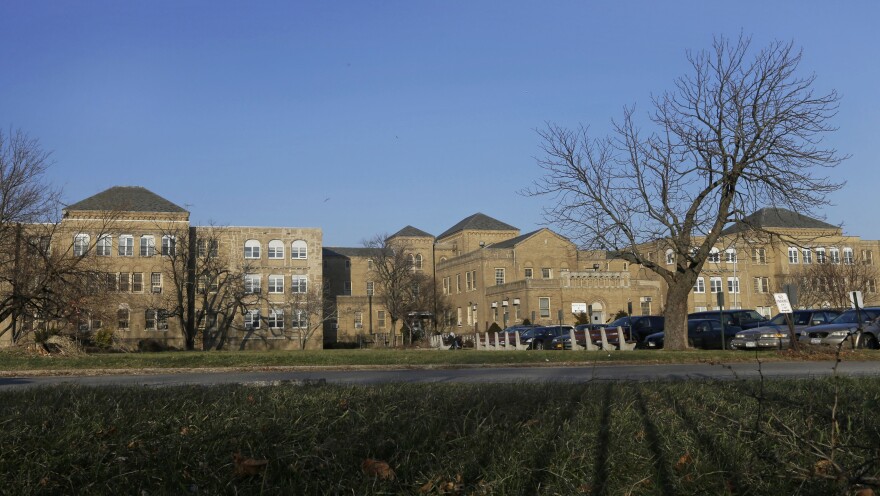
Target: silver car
774 335
846 328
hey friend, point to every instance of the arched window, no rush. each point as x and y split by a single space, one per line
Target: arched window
714 255
299 250
276 249
730 255
251 249
670 257
418 263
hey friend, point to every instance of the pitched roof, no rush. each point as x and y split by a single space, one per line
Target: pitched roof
411 232
126 199
512 242
478 222
329 251
779 218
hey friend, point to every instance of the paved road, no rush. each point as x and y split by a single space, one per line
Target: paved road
467 375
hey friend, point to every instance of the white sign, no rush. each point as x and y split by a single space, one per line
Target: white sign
782 302
855 297
578 308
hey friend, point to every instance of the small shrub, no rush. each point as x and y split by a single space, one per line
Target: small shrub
494 327
527 322
103 339
152 345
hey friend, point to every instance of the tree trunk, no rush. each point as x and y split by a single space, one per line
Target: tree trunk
393 326
675 316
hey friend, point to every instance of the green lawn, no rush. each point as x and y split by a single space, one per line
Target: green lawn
12 360
597 438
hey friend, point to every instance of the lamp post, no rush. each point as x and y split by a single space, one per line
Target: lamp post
370 305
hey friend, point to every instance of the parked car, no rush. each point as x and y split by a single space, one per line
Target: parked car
774 334
635 328
745 319
509 334
845 327
563 342
702 333
541 337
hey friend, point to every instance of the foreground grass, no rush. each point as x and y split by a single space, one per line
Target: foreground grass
599 438
12 360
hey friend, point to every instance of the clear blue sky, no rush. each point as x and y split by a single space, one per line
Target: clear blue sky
361 117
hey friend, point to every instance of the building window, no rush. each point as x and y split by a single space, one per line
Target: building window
169 246
276 249
792 255
458 283
252 283
148 246
848 256
124 281
358 320
544 306
80 245
714 255
733 284
122 319
150 319
369 264
299 250
276 284
126 245
156 282
208 247
762 285
834 255
275 319
715 284
730 255
807 255
137 282
458 317
700 309
252 249
700 285
418 262
499 276
867 257
346 288
546 273
104 246
380 319
370 288
646 306
528 273
467 281
299 319
820 256
252 319
110 281
155 320
759 256
670 257
300 284
871 285
765 311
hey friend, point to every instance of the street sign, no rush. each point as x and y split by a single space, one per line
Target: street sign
855 299
578 308
782 302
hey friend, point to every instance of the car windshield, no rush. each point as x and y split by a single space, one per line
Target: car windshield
849 317
527 333
623 321
799 318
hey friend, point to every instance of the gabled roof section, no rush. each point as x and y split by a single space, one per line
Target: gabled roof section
126 199
512 242
478 222
779 218
329 251
411 232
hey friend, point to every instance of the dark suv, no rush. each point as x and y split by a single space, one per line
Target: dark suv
744 319
635 328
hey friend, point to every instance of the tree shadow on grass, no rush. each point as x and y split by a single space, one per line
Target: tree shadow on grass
655 445
600 476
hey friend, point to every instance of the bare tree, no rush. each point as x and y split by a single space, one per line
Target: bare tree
309 312
826 284
740 131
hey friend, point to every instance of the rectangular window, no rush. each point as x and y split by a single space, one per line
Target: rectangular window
252 283
380 319
714 256
162 320
848 256
156 282
208 247
759 256
299 319
765 311
646 307
467 281
730 255
820 255
370 288
358 320
169 246
458 317
546 273
276 250
792 255
300 284
110 281
544 306
276 319
122 316
126 246
871 285
528 273
252 319
807 255
105 245
458 283
867 257
474 277
733 284
715 284
148 246
150 319
276 284
834 255
124 281
80 245
499 276
762 285
137 282
700 285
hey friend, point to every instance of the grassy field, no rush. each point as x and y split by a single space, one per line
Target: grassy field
728 437
13 361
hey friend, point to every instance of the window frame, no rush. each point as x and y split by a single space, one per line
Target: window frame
125 246
275 250
299 249
104 245
147 245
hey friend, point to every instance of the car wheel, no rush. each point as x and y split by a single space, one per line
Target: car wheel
539 345
868 342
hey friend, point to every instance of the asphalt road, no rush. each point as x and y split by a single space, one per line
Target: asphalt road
702 371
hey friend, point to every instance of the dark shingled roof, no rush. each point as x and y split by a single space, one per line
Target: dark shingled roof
512 242
478 222
411 232
779 218
126 199
347 252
